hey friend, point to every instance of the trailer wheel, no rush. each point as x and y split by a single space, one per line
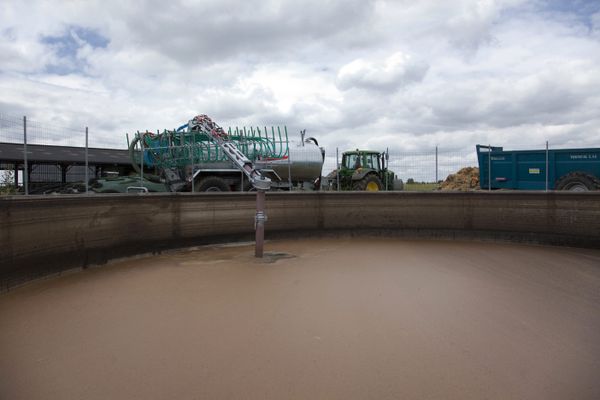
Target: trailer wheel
578 182
245 187
212 184
370 183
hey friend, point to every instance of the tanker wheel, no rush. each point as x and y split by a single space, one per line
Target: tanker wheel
245 187
578 182
212 184
370 183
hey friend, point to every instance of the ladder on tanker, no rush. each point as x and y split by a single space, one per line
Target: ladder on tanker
220 138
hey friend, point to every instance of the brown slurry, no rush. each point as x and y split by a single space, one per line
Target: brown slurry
321 319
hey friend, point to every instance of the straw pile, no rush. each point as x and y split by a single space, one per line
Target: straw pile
465 179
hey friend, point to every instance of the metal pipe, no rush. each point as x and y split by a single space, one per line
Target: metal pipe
385 159
25 166
490 167
289 158
259 223
337 169
289 173
87 178
546 165
193 151
142 159
436 165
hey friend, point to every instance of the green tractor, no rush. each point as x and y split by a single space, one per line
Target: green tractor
364 170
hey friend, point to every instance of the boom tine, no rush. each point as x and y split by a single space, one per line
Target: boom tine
286 141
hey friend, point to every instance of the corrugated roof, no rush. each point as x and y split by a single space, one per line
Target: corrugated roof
13 152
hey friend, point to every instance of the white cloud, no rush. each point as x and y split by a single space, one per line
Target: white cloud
397 70
397 74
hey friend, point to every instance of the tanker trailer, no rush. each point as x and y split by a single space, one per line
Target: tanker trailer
300 169
192 157
297 168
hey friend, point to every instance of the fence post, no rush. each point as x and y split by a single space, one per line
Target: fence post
489 167
386 159
546 165
193 150
142 159
289 158
25 162
436 165
87 178
337 169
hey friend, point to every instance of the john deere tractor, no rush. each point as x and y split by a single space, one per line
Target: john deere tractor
364 170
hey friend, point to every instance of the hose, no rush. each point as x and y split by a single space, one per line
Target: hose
134 164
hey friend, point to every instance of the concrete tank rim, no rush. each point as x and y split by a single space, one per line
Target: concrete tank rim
338 235
90 230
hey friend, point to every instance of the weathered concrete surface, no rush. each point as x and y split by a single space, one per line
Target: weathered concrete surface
40 236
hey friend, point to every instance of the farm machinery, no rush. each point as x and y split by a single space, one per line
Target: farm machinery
364 170
200 156
576 170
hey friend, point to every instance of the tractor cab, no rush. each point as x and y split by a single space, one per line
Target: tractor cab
362 159
365 170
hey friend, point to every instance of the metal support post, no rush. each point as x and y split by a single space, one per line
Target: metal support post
16 166
289 169
25 162
436 165
64 168
259 223
490 167
546 165
142 159
337 169
192 155
288 153
385 161
87 178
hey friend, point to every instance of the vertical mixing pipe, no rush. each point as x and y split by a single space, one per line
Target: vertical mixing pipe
260 219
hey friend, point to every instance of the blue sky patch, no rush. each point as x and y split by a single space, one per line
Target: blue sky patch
67 45
580 9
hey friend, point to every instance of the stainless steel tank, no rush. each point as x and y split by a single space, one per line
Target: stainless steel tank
305 162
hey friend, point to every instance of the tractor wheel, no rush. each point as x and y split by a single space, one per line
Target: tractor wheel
578 182
212 184
370 183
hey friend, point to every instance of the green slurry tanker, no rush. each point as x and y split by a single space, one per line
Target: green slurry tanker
200 156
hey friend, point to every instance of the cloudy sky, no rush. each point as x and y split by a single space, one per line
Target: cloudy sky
408 75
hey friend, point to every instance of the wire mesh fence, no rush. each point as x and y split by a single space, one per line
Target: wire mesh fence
15 129
18 172
426 169
11 129
540 166
419 170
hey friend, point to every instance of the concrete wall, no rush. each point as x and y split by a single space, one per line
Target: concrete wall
42 236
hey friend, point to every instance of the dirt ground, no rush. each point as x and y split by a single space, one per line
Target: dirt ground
317 319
